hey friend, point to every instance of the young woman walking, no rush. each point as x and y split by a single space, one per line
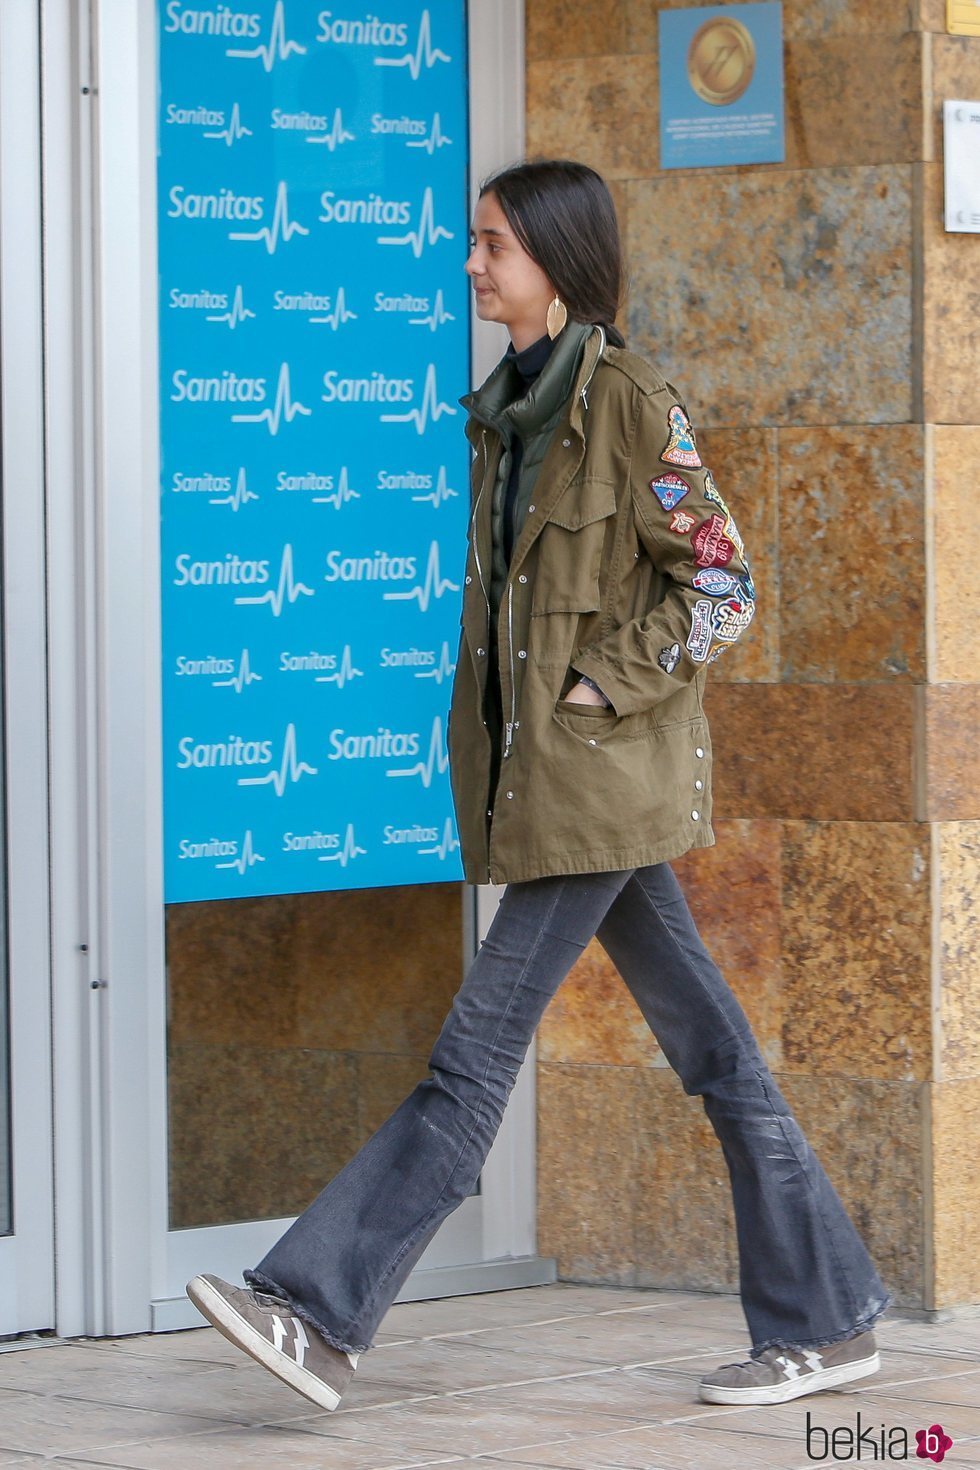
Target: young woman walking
604 574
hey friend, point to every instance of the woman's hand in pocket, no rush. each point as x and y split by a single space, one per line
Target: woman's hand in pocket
582 694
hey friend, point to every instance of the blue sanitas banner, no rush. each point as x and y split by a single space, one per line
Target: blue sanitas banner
314 340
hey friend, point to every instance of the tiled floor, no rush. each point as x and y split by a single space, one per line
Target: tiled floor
581 1377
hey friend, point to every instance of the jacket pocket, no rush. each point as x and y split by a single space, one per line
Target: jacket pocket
570 549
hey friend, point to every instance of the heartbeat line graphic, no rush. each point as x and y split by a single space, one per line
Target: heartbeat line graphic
435 763
248 857
337 135
424 52
428 232
283 407
277 48
431 407
432 586
436 317
235 129
441 492
339 315
242 678
236 313
290 769
286 587
436 138
239 496
282 227
347 853
344 673
342 493
446 844
443 669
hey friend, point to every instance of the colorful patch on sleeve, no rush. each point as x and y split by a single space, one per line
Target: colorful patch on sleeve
712 493
731 618
732 532
712 547
669 490
699 638
681 448
669 658
682 523
714 582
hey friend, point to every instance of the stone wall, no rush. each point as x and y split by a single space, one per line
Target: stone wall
823 331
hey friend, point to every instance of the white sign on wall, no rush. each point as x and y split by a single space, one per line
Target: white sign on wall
961 166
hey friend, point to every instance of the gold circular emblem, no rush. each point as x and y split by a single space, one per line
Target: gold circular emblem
721 60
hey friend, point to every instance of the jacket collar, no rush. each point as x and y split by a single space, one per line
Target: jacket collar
563 377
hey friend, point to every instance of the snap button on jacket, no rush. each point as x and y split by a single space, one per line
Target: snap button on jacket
629 568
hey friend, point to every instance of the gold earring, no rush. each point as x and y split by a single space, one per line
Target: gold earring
557 317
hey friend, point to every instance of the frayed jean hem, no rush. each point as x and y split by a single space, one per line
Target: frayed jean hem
265 1283
819 1342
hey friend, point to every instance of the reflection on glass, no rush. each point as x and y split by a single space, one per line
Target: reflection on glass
297 1024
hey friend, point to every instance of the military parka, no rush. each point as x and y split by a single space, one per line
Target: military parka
628 568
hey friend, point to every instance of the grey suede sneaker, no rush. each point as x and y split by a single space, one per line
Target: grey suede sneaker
265 1327
779 1374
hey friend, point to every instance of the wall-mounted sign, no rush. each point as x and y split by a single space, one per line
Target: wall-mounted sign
721 85
961 166
314 340
963 17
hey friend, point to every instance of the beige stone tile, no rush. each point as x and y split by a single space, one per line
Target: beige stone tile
449 1365
951 1387
734 891
255 1449
802 19
690 1446
45 1424
681 1176
856 936
618 1338
959 949
830 247
74 1372
744 463
557 29
952 720
956 606
193 1346
523 1306
601 110
586 1176
956 1191
868 1137
852 599
951 309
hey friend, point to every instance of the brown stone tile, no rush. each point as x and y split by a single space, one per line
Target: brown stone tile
830 248
734 890
587 1160
681 1177
599 109
556 29
806 19
868 1137
826 752
852 596
856 934
383 1082
953 74
593 1018
952 717
956 1189
956 602
951 309
959 949
744 465
255 1134
857 129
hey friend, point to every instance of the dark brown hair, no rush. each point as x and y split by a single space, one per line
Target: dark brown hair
563 214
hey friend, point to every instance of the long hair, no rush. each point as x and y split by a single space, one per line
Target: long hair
563 214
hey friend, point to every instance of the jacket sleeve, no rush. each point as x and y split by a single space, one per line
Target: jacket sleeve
683 524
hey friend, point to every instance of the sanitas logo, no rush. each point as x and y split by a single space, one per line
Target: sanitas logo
304 122
216 847
375 389
377 568
222 21
198 300
210 665
386 742
232 571
309 841
195 116
413 127
226 204
374 210
229 388
371 31
206 484
202 755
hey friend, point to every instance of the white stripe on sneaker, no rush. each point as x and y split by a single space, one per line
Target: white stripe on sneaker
302 1341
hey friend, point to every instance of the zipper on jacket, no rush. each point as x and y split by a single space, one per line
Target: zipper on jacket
513 723
473 535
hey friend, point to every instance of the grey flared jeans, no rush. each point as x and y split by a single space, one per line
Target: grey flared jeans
805 1276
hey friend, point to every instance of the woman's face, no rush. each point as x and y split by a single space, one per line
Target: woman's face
509 286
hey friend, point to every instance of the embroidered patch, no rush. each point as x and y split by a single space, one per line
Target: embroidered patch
681 448
669 658
669 490
711 580
717 652
731 618
711 492
748 586
711 546
681 522
699 638
731 531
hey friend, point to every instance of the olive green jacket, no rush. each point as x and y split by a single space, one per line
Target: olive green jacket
628 568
